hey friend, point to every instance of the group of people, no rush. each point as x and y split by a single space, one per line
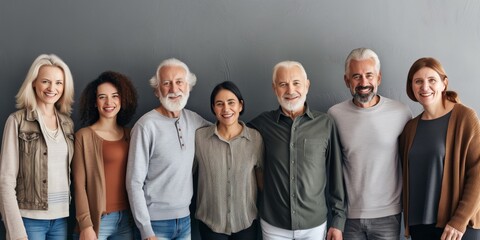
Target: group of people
345 174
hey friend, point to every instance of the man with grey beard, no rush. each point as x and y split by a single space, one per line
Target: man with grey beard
302 156
159 170
369 125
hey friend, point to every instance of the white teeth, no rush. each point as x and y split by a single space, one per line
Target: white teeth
227 115
50 94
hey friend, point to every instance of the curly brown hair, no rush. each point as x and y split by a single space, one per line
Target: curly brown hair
128 94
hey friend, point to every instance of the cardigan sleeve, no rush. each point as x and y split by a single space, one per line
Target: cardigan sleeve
468 134
79 180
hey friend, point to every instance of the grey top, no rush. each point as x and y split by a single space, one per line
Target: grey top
298 156
426 158
159 170
227 186
370 156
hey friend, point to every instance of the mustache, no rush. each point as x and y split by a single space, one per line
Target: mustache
359 88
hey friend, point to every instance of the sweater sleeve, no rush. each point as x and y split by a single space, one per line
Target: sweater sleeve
469 202
137 169
79 180
9 167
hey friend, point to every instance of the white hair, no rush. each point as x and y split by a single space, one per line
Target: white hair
287 64
190 77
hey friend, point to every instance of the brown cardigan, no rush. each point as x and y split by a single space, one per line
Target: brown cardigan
460 192
89 178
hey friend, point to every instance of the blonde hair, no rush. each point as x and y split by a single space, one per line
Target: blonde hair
26 98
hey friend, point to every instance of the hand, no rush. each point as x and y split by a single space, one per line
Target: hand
450 233
151 238
334 234
88 234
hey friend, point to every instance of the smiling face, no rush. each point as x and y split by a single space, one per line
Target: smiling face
363 80
291 88
49 85
227 108
108 100
173 90
427 87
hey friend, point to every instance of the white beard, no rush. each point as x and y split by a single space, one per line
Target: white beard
174 106
292 106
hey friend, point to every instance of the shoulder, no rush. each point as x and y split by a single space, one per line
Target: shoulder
65 118
462 113
84 133
204 131
339 106
267 116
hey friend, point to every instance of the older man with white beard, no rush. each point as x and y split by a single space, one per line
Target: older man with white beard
159 170
301 151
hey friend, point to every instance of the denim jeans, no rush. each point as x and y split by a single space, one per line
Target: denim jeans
383 228
115 226
174 229
55 229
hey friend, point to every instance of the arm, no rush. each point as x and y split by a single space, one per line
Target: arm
79 183
137 169
259 168
337 198
9 166
469 202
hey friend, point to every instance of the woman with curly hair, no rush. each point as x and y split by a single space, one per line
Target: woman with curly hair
107 104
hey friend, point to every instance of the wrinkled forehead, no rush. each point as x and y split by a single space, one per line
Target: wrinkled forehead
172 73
292 73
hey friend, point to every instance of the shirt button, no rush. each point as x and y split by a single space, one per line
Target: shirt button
293 212
293 161
292 145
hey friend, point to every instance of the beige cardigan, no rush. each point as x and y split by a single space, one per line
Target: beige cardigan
459 202
89 178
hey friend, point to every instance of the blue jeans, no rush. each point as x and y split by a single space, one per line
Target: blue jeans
55 229
115 226
383 228
174 229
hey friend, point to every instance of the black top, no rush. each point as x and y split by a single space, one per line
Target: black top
426 159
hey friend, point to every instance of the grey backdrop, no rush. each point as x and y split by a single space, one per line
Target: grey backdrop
240 41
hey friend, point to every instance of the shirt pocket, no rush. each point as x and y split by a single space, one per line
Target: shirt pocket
28 142
314 151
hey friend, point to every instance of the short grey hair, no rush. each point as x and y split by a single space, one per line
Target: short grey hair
173 62
360 54
287 64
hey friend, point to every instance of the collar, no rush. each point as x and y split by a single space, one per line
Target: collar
279 113
243 134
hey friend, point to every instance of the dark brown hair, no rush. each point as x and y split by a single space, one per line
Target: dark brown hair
128 95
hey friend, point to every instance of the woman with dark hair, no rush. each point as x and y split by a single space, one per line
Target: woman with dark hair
107 104
37 149
441 160
229 157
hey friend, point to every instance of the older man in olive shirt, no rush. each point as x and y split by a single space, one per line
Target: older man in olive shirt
302 157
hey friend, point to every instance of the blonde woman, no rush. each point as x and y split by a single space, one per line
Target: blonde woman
37 149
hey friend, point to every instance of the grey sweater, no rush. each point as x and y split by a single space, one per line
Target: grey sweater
159 169
371 166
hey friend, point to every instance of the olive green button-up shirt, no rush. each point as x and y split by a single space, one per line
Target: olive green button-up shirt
302 158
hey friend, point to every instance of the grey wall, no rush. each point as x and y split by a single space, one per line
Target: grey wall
240 41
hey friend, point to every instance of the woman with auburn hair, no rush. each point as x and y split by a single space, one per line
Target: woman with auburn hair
107 104
441 160
37 149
